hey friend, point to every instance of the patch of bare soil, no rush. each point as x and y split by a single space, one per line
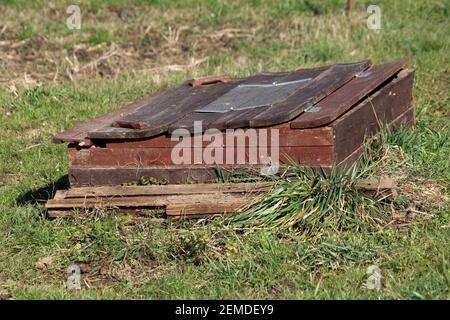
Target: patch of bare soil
424 193
135 272
132 47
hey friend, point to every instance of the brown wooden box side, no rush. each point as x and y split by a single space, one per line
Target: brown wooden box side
143 157
387 105
287 137
127 161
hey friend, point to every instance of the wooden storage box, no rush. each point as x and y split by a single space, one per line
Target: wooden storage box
321 116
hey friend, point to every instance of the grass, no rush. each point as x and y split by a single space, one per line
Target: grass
308 202
54 78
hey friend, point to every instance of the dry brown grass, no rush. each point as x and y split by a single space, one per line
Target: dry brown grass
106 46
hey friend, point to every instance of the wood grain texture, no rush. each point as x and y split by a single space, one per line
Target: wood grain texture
375 183
171 189
162 112
406 119
334 105
107 202
205 204
142 157
174 108
317 89
365 119
101 176
209 80
241 118
80 132
175 205
287 137
187 121
176 200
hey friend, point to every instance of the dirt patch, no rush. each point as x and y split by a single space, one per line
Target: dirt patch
135 272
37 48
424 193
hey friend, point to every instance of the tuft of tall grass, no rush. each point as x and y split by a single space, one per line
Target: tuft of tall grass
310 200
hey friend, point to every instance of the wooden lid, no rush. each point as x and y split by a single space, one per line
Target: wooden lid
306 98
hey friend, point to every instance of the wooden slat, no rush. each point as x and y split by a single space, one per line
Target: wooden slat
161 113
107 202
205 204
317 89
100 173
209 200
175 205
187 121
375 184
112 175
236 119
334 105
241 118
133 218
60 194
170 97
154 111
172 189
80 132
287 137
209 80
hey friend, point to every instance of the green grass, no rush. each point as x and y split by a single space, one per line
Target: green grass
70 78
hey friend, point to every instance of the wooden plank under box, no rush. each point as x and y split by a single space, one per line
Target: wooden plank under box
318 117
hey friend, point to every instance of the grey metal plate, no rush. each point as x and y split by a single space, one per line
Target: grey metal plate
253 95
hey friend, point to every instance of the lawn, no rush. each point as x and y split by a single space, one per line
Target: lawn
54 77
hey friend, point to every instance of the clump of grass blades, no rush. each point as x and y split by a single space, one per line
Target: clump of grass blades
310 200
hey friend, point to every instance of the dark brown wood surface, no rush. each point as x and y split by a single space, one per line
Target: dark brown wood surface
383 107
175 108
170 189
99 176
317 89
334 105
406 119
80 132
183 115
162 112
240 118
287 137
142 157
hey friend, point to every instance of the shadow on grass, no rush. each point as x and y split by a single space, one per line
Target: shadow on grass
43 194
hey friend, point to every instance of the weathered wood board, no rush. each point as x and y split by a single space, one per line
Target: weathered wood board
334 105
383 107
183 200
174 200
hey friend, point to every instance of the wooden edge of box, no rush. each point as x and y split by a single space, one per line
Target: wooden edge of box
381 108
